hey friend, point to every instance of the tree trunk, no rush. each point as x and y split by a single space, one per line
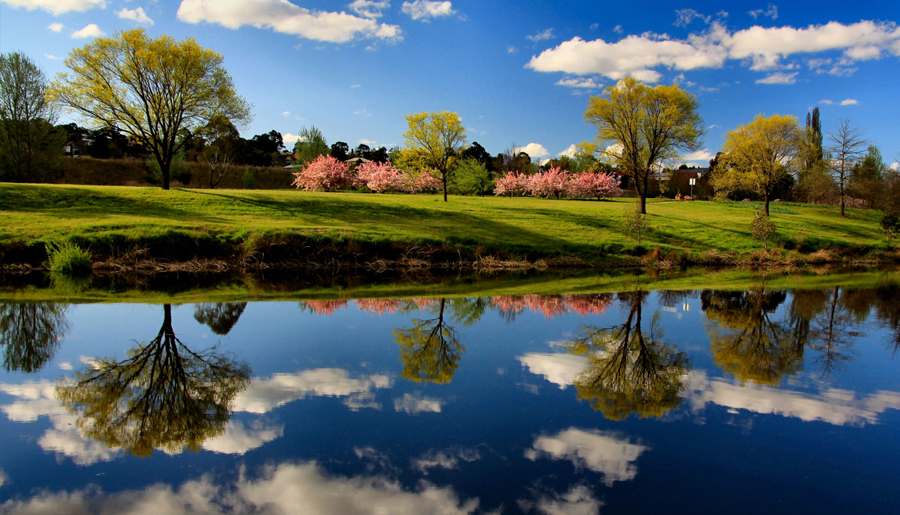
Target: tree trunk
842 192
444 181
767 204
642 203
164 168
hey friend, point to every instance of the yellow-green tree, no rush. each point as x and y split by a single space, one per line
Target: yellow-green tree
630 371
435 140
430 349
162 396
30 333
759 156
645 125
151 89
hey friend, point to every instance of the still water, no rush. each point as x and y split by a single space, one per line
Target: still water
754 401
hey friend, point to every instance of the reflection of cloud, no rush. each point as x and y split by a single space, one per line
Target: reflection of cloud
446 459
280 489
239 439
832 405
265 395
415 403
601 452
557 368
579 500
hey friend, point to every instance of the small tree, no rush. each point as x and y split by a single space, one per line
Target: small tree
471 177
762 228
379 177
310 145
513 184
325 173
222 147
847 147
552 183
593 185
435 140
890 225
635 223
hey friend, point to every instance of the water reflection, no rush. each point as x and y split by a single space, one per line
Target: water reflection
629 370
163 396
430 349
30 334
219 316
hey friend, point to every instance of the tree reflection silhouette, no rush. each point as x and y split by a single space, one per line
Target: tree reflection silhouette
162 396
219 316
747 341
430 350
630 371
30 334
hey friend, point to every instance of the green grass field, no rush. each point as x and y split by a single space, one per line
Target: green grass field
109 219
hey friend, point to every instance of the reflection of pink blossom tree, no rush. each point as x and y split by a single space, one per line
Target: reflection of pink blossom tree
325 173
323 307
379 177
590 185
513 184
379 306
552 183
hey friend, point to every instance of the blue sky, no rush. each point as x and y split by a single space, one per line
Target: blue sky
516 72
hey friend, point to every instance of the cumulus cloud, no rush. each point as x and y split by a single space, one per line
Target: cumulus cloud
700 155
278 489
90 31
759 47
831 405
779 78
543 35
845 102
895 165
239 438
369 8
137 15
287 18
770 12
606 453
425 10
533 150
558 368
684 17
569 151
56 27
578 500
416 403
57 7
581 83
264 395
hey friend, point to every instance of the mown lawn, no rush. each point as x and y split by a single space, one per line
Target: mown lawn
514 225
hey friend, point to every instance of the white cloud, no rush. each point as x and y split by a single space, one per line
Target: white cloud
369 142
583 83
264 395
57 7
54 58
511 49
618 29
369 8
845 102
779 78
137 15
558 368
425 10
895 165
684 17
831 405
286 114
771 12
89 31
759 47
533 150
543 35
415 403
700 155
56 27
239 438
578 500
569 151
605 453
446 459
290 138
278 489
287 18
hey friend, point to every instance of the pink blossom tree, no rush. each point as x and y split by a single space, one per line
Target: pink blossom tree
421 182
553 182
325 173
380 177
513 184
589 185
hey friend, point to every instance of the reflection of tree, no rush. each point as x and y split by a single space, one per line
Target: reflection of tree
746 339
30 334
163 396
430 349
630 371
219 316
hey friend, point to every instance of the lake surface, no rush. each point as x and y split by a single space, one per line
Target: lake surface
756 401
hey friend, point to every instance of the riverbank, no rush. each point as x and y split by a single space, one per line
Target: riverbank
129 229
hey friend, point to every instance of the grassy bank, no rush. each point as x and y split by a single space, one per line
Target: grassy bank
234 227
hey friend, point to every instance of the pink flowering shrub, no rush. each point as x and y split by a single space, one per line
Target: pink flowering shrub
513 184
421 182
325 173
590 185
552 183
380 177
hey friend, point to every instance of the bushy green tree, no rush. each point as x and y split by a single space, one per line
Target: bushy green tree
471 178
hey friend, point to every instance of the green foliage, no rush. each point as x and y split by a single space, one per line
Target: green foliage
248 180
471 178
890 225
30 333
434 140
762 228
68 259
635 223
310 145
